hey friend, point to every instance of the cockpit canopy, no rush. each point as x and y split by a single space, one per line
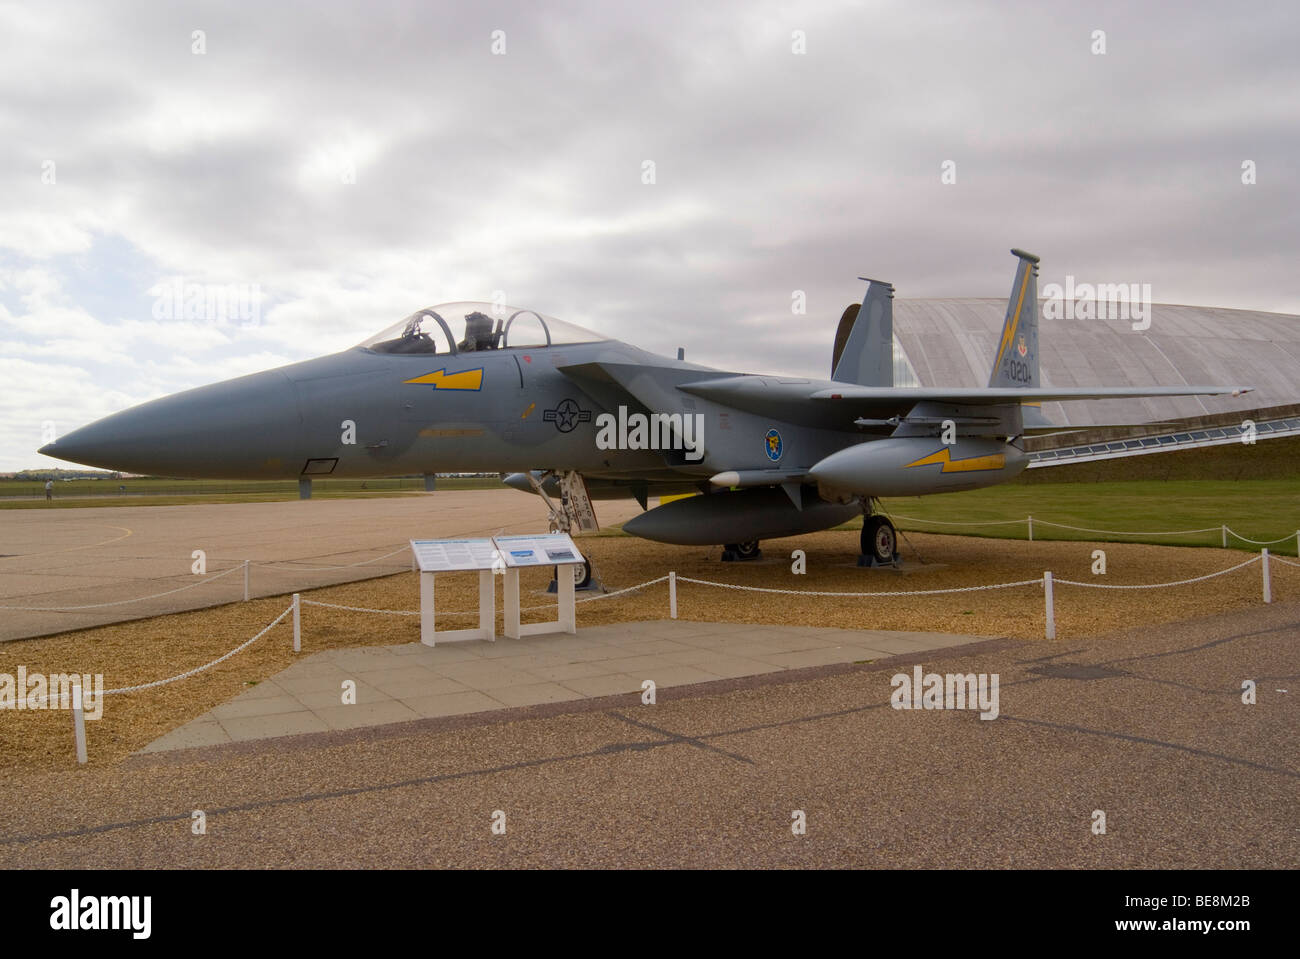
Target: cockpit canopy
482 326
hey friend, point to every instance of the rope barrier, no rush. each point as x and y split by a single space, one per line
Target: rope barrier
1257 542
1107 532
1120 532
1047 583
617 592
698 582
946 522
1226 530
198 669
444 615
1181 582
389 612
914 592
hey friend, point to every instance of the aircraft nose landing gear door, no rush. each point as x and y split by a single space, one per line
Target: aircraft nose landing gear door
574 510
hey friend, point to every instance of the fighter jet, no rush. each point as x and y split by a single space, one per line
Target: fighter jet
574 416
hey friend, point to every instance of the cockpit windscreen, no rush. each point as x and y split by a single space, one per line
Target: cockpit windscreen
475 327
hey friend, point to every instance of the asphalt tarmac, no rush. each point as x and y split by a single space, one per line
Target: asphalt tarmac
1147 728
113 561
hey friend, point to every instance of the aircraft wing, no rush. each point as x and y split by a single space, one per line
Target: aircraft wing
830 404
998 395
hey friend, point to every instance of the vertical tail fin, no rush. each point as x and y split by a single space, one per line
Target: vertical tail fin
1016 363
864 342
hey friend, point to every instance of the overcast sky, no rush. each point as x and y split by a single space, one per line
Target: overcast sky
354 162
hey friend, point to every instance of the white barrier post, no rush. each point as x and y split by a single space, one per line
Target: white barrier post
78 723
1268 587
1297 543
672 595
297 625
1225 536
246 581
1031 529
1051 609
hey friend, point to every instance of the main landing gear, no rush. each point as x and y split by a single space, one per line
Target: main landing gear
741 552
879 542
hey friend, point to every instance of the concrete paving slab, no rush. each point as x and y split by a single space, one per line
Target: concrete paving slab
421 686
487 677
318 699
532 695
190 736
366 714
410 681
266 688
260 706
568 671
678 675
731 667
823 656
267 727
452 704
644 664
593 686
296 686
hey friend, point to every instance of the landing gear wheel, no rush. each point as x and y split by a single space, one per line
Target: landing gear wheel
582 574
879 541
741 552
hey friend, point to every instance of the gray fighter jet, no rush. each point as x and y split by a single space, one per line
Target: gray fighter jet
574 416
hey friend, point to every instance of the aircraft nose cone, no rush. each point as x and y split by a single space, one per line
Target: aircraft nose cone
241 427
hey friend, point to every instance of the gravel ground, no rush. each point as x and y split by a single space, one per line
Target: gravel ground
145 650
1146 725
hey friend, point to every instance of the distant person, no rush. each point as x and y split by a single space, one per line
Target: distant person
49 489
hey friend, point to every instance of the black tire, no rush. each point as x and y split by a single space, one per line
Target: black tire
743 551
582 574
879 540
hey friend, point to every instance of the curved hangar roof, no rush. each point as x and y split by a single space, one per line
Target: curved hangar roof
951 342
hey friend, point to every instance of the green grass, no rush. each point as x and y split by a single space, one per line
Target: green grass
1259 509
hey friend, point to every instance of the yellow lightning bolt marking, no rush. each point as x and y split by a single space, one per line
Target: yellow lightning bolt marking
442 380
996 461
1010 333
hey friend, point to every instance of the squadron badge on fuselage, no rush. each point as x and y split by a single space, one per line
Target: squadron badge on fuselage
773 444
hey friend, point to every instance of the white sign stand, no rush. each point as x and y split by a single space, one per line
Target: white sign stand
555 549
444 556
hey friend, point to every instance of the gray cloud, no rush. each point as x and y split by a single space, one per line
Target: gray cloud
522 172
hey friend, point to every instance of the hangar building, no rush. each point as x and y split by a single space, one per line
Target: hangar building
951 342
